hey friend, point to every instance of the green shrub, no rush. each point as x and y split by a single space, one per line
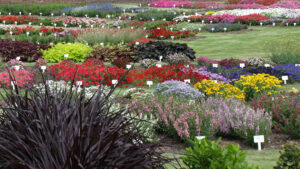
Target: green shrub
110 36
76 51
289 157
220 27
153 25
153 50
286 51
2 31
157 15
205 154
187 26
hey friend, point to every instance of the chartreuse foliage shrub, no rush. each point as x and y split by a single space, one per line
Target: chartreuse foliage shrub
205 154
289 157
76 51
56 128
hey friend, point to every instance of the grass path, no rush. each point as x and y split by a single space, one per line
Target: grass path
242 46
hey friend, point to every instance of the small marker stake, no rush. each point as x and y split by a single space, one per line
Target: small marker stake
114 82
160 58
12 84
273 23
267 65
17 67
43 68
242 65
259 139
200 137
215 65
297 65
18 58
285 78
188 81
78 83
66 55
128 66
149 83
158 65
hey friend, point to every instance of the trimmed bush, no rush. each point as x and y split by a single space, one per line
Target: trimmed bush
76 52
220 27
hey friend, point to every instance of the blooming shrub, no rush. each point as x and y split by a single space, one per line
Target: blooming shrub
292 21
76 52
243 6
285 110
231 62
177 88
20 77
20 19
257 62
163 33
15 62
176 117
212 76
202 61
240 119
229 72
95 74
76 21
257 84
41 62
291 70
211 88
266 2
177 58
147 63
252 18
214 18
221 26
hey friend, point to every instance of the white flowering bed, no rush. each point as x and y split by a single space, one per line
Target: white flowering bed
271 12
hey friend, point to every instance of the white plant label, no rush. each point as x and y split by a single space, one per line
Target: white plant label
153 19
16 23
87 44
158 28
183 29
146 36
242 65
64 14
119 27
10 32
172 37
80 26
189 21
20 13
18 58
92 26
158 65
200 137
102 44
128 66
210 22
202 21
145 28
13 84
274 24
69 43
187 66
114 82
215 65
43 68
297 65
52 14
17 67
212 29
131 27
287 24
9 13
129 17
41 24
164 19
78 83
97 16
160 58
171 29
192 102
27 33
55 25
259 139
215 81
41 14
199 29
66 55
29 23
267 65
285 78
137 43
295 24
225 29
149 83
261 24
66 25
187 81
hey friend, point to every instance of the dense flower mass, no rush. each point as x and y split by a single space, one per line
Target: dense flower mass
163 33
95 74
19 19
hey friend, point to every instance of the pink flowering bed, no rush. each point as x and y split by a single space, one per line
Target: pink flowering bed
75 21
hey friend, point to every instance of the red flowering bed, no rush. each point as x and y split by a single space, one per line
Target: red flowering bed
214 18
93 73
266 2
22 77
22 30
142 40
163 33
252 18
20 19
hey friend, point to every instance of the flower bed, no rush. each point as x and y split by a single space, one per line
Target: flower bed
163 33
19 19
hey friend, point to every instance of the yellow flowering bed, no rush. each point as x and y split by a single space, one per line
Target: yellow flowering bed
257 84
211 88
210 13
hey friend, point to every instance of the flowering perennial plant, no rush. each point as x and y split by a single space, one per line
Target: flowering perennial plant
179 89
291 70
20 78
163 33
212 76
252 18
258 84
211 88
19 19
285 110
95 74
76 21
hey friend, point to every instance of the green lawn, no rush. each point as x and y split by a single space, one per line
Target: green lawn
245 45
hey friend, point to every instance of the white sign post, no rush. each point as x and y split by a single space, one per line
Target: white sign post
158 65
259 139
285 78
242 65
18 58
267 65
149 83
12 83
17 67
200 137
187 81
78 83
297 65
66 55
215 65
114 82
160 58
43 68
128 66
